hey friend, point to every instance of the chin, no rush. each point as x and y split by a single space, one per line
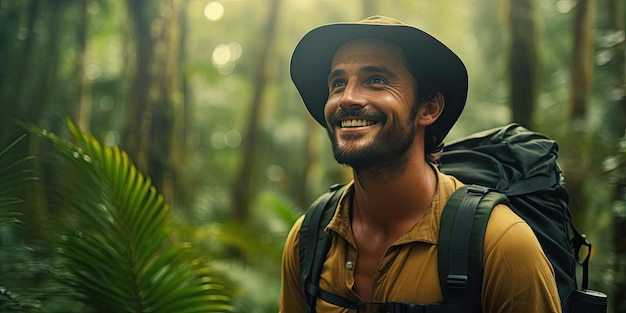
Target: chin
357 158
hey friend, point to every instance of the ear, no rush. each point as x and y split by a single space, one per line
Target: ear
430 110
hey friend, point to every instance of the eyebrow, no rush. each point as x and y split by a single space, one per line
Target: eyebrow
366 69
379 69
335 73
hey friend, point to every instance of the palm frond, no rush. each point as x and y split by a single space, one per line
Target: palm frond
116 243
14 170
16 265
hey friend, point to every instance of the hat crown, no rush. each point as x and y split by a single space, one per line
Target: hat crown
380 20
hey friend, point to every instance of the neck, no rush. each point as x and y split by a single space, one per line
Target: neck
394 199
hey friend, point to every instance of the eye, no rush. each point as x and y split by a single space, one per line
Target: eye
337 83
376 80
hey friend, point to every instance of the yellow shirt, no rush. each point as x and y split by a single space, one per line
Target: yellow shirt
518 277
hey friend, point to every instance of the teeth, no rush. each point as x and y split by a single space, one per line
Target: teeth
356 123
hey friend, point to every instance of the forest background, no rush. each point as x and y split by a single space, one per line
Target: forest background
197 92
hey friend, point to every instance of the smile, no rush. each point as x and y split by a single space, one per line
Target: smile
356 123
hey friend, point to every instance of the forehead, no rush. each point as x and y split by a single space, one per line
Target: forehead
371 51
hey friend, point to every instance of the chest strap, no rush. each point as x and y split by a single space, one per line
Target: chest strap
386 307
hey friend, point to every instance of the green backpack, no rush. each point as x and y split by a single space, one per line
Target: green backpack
509 165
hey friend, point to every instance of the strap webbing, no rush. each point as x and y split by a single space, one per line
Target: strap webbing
459 243
312 258
578 240
461 237
390 307
331 297
311 233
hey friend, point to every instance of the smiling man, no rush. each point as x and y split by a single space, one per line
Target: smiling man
388 94
370 71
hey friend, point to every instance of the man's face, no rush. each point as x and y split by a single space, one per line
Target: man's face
370 110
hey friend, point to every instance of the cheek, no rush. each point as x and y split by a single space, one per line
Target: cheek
329 108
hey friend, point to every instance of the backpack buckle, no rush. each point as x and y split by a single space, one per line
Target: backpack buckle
457 281
481 190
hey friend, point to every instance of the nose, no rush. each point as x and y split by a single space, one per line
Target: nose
352 96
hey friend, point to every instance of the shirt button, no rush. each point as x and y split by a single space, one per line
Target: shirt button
349 265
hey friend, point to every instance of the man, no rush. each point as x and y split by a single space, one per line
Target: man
388 94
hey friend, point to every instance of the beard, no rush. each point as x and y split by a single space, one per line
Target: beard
388 149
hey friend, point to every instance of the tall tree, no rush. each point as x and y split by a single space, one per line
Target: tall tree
168 135
576 154
370 8
37 97
136 131
82 107
247 174
615 8
20 55
523 61
148 132
182 115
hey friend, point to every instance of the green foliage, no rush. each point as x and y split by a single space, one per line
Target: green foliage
247 253
14 172
115 242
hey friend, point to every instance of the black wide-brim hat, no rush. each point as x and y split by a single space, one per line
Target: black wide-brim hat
429 60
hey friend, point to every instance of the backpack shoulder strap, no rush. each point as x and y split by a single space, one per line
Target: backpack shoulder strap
314 242
461 237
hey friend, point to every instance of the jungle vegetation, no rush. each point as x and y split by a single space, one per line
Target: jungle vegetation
154 154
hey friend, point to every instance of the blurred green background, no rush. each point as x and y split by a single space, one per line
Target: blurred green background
197 92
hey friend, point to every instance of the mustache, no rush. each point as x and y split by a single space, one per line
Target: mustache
358 112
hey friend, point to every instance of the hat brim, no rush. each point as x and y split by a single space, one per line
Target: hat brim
430 61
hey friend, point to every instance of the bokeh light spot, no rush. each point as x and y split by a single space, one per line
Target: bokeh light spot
214 11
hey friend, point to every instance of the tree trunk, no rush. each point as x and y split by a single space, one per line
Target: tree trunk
82 107
166 132
182 115
36 101
148 132
618 66
576 155
20 73
616 10
140 108
370 8
243 191
523 61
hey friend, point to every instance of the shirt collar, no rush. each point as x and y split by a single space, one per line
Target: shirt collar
426 229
